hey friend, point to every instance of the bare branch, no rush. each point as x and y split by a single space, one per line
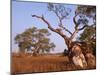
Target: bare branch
82 28
74 20
65 29
58 16
73 34
60 22
76 31
42 18
76 27
49 26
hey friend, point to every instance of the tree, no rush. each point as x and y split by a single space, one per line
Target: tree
80 20
36 39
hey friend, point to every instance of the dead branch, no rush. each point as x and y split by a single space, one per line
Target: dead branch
49 26
65 29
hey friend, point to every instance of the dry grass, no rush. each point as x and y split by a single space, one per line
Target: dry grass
48 63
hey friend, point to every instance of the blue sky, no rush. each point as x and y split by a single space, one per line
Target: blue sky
22 19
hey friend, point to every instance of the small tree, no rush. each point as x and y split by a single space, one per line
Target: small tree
34 38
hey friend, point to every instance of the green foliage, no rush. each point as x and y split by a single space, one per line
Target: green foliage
36 38
89 36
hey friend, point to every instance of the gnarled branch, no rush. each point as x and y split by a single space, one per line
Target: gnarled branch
42 18
49 26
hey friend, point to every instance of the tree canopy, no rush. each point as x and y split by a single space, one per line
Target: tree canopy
34 39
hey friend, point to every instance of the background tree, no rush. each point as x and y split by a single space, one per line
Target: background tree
81 20
42 42
25 39
34 38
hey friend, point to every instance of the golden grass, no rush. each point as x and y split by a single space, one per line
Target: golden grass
47 63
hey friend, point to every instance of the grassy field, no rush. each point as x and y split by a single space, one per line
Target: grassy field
46 63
